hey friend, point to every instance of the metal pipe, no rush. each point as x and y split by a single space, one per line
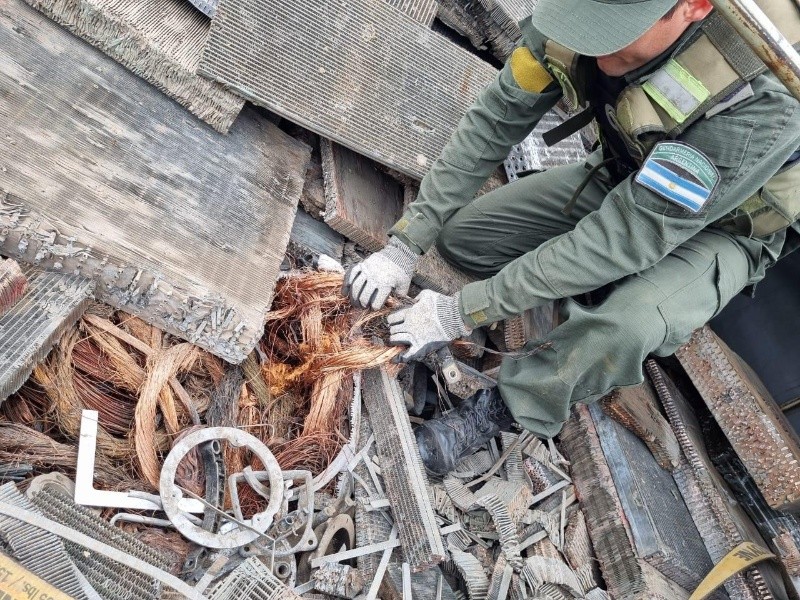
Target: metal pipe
764 38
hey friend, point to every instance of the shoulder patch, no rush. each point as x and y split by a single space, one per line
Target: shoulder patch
680 173
528 72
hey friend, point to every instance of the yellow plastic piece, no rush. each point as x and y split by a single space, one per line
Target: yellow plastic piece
528 72
737 560
17 583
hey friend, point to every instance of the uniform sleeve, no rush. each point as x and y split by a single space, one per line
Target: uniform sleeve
502 116
635 228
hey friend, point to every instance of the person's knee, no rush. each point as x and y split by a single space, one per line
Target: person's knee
459 245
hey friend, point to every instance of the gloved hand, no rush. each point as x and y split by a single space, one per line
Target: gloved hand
370 282
429 324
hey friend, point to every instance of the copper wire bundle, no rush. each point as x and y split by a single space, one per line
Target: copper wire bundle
313 341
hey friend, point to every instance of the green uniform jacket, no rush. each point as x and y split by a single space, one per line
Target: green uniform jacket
633 229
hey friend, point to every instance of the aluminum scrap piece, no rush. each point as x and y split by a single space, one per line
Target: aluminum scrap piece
159 40
578 551
105 575
175 223
372 527
472 573
404 476
382 84
540 570
40 551
423 11
207 7
52 303
171 495
661 526
626 574
597 594
460 495
533 155
749 417
473 465
710 504
540 477
338 580
501 580
13 284
514 469
251 580
506 528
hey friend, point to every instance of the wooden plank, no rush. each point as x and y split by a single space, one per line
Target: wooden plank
159 40
361 201
104 176
749 417
637 409
52 303
381 84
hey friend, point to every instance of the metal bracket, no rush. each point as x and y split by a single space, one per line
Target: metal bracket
85 493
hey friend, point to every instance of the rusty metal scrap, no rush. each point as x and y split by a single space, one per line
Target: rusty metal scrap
707 497
752 422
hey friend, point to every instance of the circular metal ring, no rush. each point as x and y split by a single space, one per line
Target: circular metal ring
171 495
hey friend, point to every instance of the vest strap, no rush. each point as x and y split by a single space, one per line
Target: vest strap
572 125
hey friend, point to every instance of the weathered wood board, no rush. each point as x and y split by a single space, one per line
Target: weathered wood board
360 73
159 40
749 417
104 176
52 303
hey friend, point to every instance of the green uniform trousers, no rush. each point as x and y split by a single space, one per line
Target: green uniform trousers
596 348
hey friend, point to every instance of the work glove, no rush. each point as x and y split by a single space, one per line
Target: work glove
370 282
427 325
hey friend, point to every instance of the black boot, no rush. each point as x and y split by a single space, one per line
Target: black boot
443 442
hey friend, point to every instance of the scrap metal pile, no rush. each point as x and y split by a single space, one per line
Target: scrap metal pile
190 408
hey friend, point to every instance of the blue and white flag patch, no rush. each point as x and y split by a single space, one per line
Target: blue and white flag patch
680 173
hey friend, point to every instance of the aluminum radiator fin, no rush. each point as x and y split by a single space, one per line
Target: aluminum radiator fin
472 574
700 484
251 580
159 40
13 284
28 330
108 577
381 84
38 550
404 476
626 575
175 223
422 11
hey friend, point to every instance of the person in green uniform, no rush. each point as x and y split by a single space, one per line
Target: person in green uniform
692 194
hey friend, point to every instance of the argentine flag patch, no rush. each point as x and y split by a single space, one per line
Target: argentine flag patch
680 173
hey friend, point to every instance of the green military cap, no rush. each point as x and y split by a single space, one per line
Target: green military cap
597 27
